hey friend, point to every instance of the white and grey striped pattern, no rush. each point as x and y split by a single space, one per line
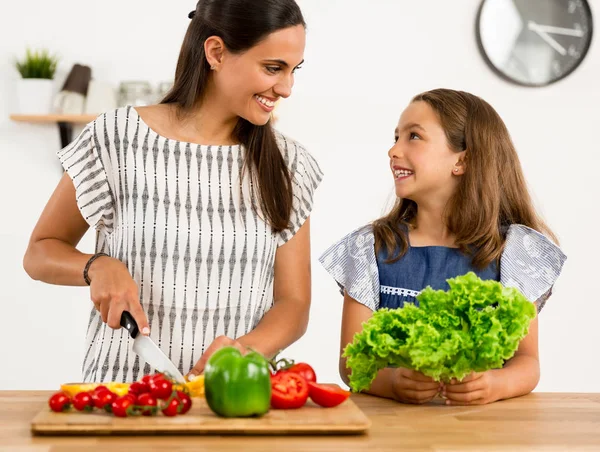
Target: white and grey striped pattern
531 262
178 215
352 264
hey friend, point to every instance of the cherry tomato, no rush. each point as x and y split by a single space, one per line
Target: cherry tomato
104 399
59 402
161 388
96 394
172 408
133 397
122 406
302 369
139 387
82 401
288 390
148 404
185 402
148 378
327 395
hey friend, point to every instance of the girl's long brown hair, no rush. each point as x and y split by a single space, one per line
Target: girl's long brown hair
492 193
241 24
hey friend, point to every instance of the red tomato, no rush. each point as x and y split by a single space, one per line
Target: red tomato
139 387
172 408
288 390
104 399
82 401
327 395
148 404
96 393
131 396
59 402
147 378
161 388
122 406
185 402
303 369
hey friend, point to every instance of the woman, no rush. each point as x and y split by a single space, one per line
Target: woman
201 209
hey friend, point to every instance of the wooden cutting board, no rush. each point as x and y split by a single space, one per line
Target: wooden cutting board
345 419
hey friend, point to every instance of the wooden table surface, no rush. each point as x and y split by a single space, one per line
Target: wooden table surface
537 422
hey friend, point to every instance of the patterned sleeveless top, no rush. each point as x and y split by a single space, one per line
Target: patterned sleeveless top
181 218
530 262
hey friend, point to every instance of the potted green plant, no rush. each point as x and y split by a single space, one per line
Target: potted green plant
34 90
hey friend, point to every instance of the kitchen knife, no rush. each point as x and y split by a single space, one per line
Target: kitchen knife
148 350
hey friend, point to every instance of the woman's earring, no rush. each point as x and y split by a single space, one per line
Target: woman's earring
456 170
212 68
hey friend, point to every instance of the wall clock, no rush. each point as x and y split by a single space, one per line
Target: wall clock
534 42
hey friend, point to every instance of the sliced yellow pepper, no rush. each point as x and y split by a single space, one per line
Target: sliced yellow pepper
194 387
73 388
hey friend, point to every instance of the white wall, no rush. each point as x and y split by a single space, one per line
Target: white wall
346 102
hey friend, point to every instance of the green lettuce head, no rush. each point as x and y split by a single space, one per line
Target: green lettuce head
474 326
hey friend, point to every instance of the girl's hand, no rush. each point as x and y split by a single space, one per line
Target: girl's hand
410 386
113 291
475 389
219 342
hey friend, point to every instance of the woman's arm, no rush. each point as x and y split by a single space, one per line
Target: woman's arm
51 255
400 384
287 320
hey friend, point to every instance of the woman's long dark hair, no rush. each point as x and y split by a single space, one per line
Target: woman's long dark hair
241 24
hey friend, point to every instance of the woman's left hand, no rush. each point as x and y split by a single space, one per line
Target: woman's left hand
218 343
475 389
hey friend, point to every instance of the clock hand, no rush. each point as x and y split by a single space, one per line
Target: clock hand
555 30
546 37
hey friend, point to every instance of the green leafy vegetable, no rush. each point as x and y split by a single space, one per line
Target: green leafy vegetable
474 326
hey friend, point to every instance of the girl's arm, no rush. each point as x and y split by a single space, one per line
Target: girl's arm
519 376
400 384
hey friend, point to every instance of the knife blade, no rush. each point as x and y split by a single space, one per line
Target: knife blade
148 350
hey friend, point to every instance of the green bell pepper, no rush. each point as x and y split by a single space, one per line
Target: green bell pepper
236 385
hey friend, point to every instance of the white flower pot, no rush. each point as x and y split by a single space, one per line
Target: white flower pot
34 96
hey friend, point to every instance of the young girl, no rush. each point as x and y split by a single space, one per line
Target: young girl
201 209
462 206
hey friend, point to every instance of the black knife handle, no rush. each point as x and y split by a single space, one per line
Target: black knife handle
129 323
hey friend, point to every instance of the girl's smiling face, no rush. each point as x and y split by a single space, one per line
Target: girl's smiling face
422 162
